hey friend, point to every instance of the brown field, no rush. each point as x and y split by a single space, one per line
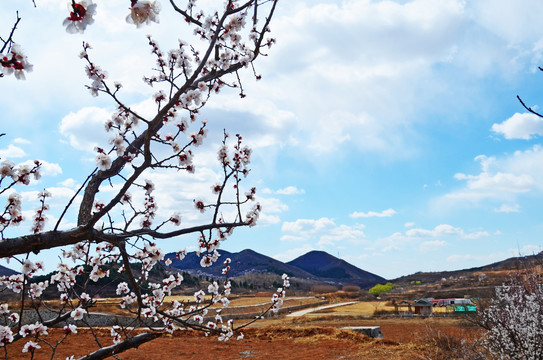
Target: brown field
315 336
279 339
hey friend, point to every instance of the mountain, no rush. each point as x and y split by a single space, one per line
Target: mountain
243 262
510 264
326 266
4 271
317 266
475 282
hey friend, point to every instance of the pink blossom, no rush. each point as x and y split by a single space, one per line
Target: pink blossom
6 336
176 219
199 204
80 16
103 161
30 346
70 329
143 12
78 313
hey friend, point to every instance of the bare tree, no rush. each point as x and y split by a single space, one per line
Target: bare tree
117 239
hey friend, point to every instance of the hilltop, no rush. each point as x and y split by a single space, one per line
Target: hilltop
315 266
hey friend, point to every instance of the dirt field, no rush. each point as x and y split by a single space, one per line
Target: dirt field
317 335
278 339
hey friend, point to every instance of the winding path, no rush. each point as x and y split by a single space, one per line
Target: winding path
306 311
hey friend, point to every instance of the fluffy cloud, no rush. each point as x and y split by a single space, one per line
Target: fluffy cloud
46 168
290 190
308 227
292 254
384 213
504 208
378 53
438 231
85 128
324 230
11 152
501 179
520 126
439 236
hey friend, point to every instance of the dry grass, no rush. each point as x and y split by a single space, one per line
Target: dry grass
366 308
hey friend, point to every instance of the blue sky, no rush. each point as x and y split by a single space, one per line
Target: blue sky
386 133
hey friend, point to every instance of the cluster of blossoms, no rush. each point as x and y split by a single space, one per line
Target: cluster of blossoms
150 255
30 268
279 295
6 335
97 76
13 214
150 205
81 15
514 319
185 160
13 282
20 174
39 219
15 62
10 319
252 216
64 278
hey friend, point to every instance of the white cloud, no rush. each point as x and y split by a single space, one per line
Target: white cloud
85 128
341 235
375 53
292 238
272 205
22 141
438 236
504 208
70 183
438 231
325 231
431 245
308 227
292 254
520 126
384 213
409 224
266 219
290 190
476 235
501 179
11 152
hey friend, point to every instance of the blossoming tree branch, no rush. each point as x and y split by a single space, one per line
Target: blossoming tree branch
117 237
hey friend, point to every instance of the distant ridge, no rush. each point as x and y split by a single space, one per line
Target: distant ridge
315 265
243 262
326 266
4 271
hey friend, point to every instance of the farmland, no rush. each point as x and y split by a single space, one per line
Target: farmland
318 333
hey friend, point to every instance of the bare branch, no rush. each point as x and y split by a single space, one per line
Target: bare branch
129 343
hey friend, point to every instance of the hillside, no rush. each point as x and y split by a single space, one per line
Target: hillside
317 266
474 282
4 271
328 267
243 262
